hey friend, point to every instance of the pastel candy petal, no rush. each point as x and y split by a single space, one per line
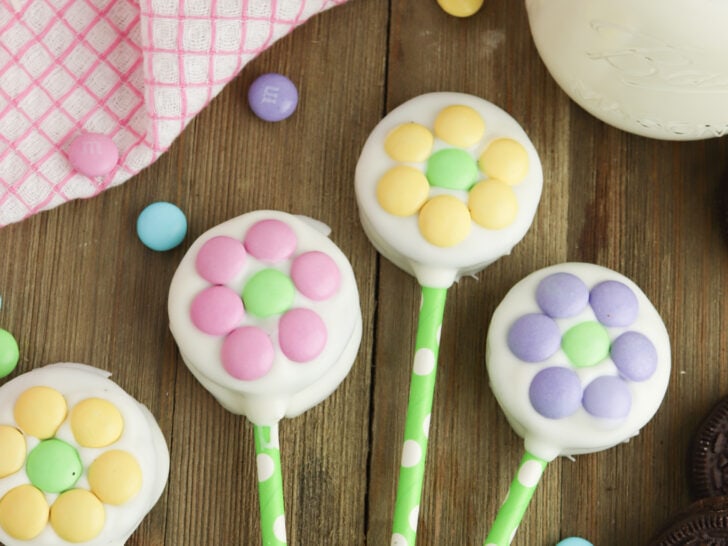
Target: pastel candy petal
220 259
302 335
270 241
247 353
216 310
315 275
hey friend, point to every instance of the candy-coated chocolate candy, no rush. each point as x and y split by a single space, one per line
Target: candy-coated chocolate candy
39 411
9 353
12 450
459 125
93 154
115 477
216 310
161 226
444 221
270 241
460 8
506 160
247 353
77 515
220 259
574 541
54 466
23 512
493 204
409 142
96 422
402 190
273 97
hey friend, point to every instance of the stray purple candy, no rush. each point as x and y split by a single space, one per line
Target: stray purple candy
273 97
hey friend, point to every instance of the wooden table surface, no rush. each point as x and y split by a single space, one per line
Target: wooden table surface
77 285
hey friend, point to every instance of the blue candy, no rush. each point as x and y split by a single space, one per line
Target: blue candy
161 226
574 541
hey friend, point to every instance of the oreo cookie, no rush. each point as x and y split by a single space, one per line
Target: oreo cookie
703 523
708 456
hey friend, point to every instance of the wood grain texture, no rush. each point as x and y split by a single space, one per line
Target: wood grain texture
78 286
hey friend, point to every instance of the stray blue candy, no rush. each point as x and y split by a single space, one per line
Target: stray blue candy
574 541
161 226
273 97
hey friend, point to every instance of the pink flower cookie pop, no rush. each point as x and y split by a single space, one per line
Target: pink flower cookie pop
446 184
579 361
81 461
265 311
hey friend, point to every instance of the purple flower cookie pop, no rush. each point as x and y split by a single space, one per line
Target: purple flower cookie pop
579 361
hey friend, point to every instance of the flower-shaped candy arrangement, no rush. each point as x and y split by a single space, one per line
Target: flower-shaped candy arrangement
81 461
579 361
265 311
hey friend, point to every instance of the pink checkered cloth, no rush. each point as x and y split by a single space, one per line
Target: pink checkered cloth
136 70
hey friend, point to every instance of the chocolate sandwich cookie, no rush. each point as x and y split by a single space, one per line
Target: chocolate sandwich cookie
708 456
703 523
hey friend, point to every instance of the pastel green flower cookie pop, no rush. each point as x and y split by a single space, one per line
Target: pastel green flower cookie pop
446 184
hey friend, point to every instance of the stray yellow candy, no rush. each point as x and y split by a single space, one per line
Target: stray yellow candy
506 160
444 221
460 8
77 515
402 190
23 512
12 450
409 142
39 411
115 477
96 422
493 205
459 125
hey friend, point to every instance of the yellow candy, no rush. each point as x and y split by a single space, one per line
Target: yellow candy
39 411
459 125
96 422
77 515
115 477
409 142
506 160
23 512
444 221
12 450
460 8
493 205
402 190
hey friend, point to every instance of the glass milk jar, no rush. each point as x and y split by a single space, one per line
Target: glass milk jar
657 68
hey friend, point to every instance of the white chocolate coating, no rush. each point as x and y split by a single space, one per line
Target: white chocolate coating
399 238
510 377
290 388
141 437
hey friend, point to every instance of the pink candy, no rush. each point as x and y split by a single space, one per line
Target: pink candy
93 154
216 310
220 259
270 241
301 334
315 275
247 353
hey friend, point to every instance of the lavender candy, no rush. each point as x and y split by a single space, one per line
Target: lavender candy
534 337
562 295
273 97
555 392
614 303
607 397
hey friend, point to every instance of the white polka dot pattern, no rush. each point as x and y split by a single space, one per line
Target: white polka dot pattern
424 362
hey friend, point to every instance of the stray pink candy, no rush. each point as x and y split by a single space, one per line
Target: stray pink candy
247 353
301 335
93 154
315 275
270 241
217 310
220 259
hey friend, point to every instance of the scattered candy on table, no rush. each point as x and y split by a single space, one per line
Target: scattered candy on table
460 8
574 541
273 97
93 154
161 226
9 353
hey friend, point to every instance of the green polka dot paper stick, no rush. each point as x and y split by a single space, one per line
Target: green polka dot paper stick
417 423
270 486
522 489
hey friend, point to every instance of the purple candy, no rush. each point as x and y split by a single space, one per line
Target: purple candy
555 392
634 355
534 337
273 97
614 303
607 396
562 295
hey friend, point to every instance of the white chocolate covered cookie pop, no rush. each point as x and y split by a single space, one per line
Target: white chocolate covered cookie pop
579 361
81 461
446 184
265 311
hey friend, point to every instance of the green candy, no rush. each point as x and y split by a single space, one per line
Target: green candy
586 344
452 168
269 292
9 353
53 466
